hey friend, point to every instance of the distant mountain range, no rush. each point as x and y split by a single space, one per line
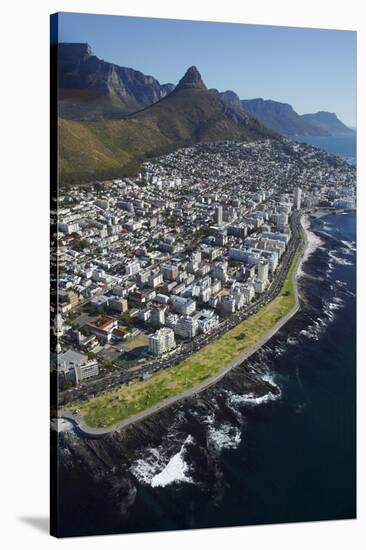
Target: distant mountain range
329 122
112 118
282 118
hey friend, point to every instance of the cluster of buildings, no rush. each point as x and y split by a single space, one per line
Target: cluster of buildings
197 236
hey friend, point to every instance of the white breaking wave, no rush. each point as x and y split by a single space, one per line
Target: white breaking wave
253 399
351 245
315 329
61 425
318 326
222 435
225 436
279 350
334 306
157 472
337 260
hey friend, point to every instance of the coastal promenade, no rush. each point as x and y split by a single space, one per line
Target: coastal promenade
80 424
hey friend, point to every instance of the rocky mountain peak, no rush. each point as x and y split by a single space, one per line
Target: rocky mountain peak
191 79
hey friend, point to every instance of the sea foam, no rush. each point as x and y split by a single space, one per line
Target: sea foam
225 436
155 470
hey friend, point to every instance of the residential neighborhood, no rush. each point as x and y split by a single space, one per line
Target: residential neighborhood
150 267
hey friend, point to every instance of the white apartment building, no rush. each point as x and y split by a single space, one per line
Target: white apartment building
283 237
185 306
68 227
263 269
218 215
155 279
133 267
84 372
259 286
244 255
186 327
161 341
207 320
297 198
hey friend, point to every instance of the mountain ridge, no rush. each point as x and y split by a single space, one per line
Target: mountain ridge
189 114
282 118
93 89
329 121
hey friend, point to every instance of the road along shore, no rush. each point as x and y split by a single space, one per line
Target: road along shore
79 422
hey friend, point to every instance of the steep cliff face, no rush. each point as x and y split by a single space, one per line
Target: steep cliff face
93 89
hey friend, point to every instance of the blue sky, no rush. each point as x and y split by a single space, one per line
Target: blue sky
312 69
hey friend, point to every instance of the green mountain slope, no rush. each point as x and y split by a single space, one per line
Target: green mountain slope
189 114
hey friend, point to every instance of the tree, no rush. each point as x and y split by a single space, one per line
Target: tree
127 320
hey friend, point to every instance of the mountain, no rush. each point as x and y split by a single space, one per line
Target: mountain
281 117
93 89
229 96
189 114
329 122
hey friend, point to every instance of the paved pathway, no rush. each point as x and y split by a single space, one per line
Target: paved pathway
78 420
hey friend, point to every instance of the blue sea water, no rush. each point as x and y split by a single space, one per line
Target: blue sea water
343 145
248 461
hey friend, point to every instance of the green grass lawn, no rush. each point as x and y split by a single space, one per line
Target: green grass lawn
128 399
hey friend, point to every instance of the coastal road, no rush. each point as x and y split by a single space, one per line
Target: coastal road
80 424
113 379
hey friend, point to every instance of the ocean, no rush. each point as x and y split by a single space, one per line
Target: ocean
343 145
241 460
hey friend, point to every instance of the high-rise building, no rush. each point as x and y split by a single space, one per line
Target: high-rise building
228 304
263 269
58 326
297 198
219 271
186 327
157 317
218 215
170 272
162 341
